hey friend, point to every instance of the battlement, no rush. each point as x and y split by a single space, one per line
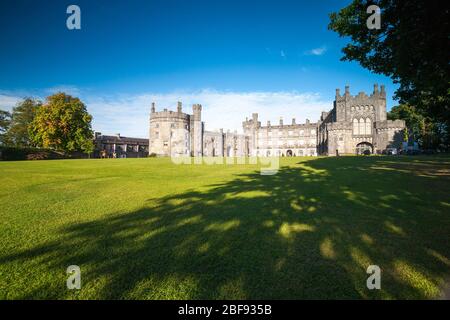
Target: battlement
281 124
168 115
361 95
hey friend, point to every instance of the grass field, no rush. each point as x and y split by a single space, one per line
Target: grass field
149 229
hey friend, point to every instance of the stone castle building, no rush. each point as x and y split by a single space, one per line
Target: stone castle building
355 125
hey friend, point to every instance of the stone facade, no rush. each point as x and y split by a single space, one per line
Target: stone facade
281 139
356 124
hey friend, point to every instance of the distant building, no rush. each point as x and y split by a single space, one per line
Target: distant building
117 146
355 125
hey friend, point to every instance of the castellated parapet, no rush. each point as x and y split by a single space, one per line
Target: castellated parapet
355 124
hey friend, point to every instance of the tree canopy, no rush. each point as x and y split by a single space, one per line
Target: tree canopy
64 124
21 118
411 47
5 122
419 127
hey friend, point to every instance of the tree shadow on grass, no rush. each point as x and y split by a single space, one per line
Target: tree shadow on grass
310 231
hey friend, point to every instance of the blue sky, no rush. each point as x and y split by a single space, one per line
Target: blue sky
234 57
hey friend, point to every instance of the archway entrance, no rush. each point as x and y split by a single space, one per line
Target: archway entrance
364 148
289 153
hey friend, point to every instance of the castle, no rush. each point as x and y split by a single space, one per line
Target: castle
355 125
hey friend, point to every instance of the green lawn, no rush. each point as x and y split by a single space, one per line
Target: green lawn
150 229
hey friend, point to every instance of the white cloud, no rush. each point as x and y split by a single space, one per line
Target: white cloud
7 102
129 114
317 51
68 89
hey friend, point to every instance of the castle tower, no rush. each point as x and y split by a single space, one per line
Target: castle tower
340 103
198 130
381 105
168 132
251 130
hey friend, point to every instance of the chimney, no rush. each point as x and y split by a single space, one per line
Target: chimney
307 121
118 135
338 92
153 107
179 106
383 92
268 123
281 121
293 120
347 90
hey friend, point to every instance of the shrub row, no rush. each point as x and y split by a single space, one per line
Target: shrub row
15 154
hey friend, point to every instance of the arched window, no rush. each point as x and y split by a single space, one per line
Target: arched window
368 126
355 127
362 127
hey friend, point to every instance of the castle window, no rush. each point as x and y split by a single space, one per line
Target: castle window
368 126
157 135
172 125
355 127
157 125
362 127
313 131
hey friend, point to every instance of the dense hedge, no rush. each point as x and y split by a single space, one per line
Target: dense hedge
14 154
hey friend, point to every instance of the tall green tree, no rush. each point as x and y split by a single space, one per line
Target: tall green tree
63 124
412 47
22 116
419 127
5 122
